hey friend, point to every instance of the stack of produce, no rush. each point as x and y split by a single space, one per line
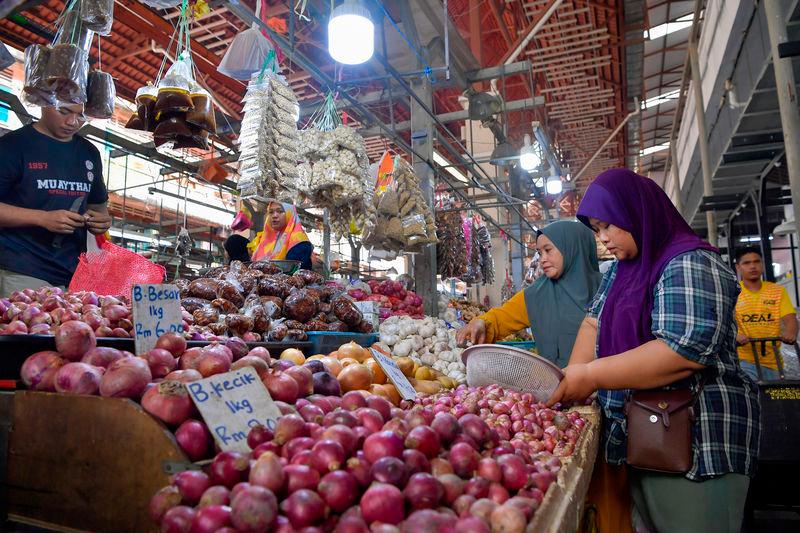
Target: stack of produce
451 252
361 464
59 73
268 140
334 175
403 219
258 302
392 297
42 311
466 309
427 342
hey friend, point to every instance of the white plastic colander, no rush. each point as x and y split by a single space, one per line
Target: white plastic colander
512 368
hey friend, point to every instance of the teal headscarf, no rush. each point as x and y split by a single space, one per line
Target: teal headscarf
556 308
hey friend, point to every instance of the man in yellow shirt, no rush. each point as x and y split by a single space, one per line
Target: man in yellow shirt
762 310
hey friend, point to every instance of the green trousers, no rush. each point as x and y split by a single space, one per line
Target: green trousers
666 503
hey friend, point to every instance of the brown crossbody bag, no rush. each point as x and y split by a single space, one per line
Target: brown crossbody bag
660 428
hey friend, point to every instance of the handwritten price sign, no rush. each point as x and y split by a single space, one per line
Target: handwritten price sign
233 403
396 375
156 310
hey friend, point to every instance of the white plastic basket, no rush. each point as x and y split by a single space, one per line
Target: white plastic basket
512 368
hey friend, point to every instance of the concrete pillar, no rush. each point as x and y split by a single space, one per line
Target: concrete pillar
787 99
702 138
422 142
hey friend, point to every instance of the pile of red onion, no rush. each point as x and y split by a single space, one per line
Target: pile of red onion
357 464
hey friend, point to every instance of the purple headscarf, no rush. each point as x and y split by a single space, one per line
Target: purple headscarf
637 205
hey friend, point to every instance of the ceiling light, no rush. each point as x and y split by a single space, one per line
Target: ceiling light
669 27
554 185
653 149
528 158
351 33
660 99
503 155
448 167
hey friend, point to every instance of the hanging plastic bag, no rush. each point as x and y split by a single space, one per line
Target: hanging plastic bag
66 73
169 130
100 94
35 91
98 15
202 115
161 4
74 31
173 90
245 55
145 107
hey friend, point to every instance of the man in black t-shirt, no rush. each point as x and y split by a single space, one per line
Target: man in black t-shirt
51 193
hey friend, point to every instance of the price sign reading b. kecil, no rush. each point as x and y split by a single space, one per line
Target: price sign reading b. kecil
156 310
396 375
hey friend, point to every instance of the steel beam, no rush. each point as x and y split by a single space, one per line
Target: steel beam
787 98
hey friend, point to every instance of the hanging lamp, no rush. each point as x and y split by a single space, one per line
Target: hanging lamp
351 33
528 158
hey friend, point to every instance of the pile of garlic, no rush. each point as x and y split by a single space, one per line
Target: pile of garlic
427 341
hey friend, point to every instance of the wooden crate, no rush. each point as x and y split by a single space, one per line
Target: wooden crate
85 462
562 507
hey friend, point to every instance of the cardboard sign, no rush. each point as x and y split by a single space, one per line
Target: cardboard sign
156 310
396 375
231 404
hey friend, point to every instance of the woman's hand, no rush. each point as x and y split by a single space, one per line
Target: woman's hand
577 385
474 332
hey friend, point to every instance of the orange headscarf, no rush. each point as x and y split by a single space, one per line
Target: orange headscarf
274 244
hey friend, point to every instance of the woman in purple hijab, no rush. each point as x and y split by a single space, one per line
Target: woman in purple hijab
664 317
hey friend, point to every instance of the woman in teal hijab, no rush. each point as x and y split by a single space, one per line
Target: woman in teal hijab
554 306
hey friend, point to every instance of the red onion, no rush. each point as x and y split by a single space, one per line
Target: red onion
213 362
453 487
440 466
254 510
169 402
327 455
483 508
424 439
339 490
463 504
115 312
302 458
542 480
265 447
190 358
282 364
380 404
472 524
39 329
340 416
353 400
398 427
261 353
125 378
342 434
184 376
120 333
250 360
160 362
323 402
289 427
312 413
297 445
489 469
78 378
389 470
464 459
16 327
281 387
194 439
94 320
237 347
369 418
515 473
304 508
229 468
383 503
360 468
498 493
526 505
508 519
477 487
423 491
101 356
267 472
192 484
258 435
73 339
304 379
39 370
178 519
215 495
285 408
162 501
416 461
446 426
383 444
211 519
103 332
428 520
327 384
474 427
351 524
300 477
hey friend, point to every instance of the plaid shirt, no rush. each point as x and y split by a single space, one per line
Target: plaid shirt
693 313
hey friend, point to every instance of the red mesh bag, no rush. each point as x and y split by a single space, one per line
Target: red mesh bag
113 271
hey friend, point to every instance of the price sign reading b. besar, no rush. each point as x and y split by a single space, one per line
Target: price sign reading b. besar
156 310
396 375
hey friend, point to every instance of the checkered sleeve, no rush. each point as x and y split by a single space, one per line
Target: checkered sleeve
693 306
595 305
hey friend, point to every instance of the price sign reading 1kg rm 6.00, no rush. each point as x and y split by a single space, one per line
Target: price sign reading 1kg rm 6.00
156 310
394 373
231 404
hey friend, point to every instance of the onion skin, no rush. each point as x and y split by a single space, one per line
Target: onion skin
101 356
78 378
38 372
508 519
169 402
162 501
211 519
423 491
178 519
383 503
267 472
215 495
192 484
281 387
229 468
254 509
126 378
184 376
304 508
339 490
173 343
383 444
194 439
160 361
